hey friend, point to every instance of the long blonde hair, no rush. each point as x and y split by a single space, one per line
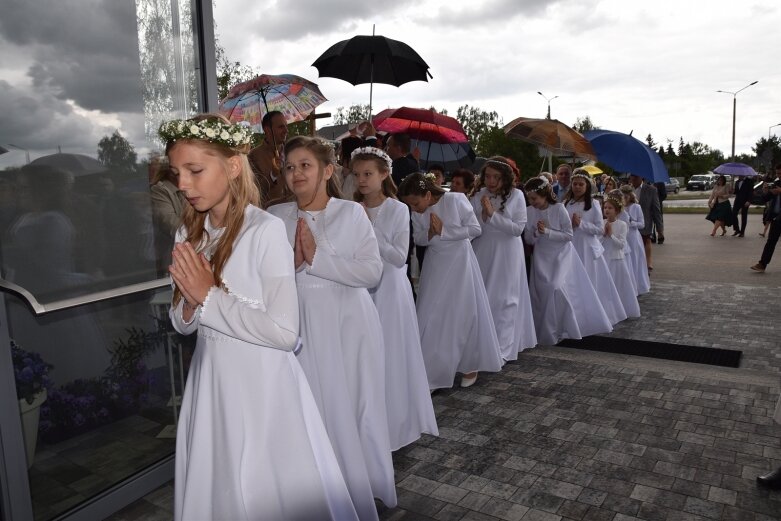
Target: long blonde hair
242 191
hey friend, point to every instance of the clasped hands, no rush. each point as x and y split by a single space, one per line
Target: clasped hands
608 229
435 226
305 245
575 220
192 272
488 208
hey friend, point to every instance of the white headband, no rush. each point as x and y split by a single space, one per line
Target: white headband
375 152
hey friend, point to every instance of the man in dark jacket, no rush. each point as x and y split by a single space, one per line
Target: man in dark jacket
404 164
744 190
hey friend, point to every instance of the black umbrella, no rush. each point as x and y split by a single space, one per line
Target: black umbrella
372 59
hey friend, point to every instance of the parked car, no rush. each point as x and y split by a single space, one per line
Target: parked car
672 186
700 182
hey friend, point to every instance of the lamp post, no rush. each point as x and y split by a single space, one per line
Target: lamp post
548 100
771 126
26 152
734 104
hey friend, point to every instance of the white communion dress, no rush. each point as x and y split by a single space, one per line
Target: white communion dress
342 353
454 316
591 252
636 223
564 301
410 411
250 442
615 246
499 252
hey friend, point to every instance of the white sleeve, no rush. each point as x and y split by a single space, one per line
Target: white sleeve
618 236
420 226
513 220
636 219
564 225
360 268
182 327
591 221
395 248
467 228
272 321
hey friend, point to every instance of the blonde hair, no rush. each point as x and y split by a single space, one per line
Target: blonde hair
242 192
628 192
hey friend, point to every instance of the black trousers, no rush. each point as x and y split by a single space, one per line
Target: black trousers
772 240
743 211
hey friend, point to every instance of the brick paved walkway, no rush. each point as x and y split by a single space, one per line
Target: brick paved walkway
553 437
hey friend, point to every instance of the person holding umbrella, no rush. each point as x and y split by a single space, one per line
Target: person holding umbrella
266 159
404 163
774 189
648 199
744 190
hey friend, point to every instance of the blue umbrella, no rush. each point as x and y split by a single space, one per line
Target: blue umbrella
625 153
739 169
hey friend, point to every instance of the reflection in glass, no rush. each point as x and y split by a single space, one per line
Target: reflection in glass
79 214
84 220
110 415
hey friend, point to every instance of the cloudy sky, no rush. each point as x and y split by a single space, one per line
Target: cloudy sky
647 67
69 72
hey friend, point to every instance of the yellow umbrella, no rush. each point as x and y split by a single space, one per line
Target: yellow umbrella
591 169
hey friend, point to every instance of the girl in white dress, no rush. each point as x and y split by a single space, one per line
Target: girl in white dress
457 332
586 216
624 218
614 241
501 213
636 223
337 260
564 302
250 442
407 397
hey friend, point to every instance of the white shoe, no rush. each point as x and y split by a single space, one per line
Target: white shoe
468 382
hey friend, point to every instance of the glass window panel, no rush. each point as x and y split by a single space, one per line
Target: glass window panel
84 88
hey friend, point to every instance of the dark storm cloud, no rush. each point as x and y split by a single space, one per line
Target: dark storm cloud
291 21
42 122
83 51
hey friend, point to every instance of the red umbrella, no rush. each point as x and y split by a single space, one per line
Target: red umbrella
421 125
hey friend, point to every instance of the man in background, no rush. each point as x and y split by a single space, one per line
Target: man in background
267 158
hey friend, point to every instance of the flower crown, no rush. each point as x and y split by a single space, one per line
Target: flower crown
375 152
582 174
211 130
618 203
543 186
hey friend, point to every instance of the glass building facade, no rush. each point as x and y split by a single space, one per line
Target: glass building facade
91 373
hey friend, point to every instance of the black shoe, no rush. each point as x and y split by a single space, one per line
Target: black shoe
660 240
771 479
740 235
736 233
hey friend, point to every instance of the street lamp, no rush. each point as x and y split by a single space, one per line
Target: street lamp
734 104
548 100
26 152
771 126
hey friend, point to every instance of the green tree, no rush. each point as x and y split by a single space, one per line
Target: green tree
496 143
584 124
768 152
351 114
476 123
117 154
649 140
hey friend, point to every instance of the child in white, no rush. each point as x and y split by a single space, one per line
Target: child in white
501 213
234 284
614 241
635 240
457 332
337 260
407 397
564 302
586 218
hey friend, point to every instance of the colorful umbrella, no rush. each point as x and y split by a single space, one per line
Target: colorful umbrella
591 169
738 169
372 59
551 134
293 96
421 124
626 153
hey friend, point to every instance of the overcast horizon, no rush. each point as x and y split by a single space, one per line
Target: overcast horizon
628 66
67 80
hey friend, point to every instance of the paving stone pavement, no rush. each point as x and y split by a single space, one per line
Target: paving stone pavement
709 314
554 437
